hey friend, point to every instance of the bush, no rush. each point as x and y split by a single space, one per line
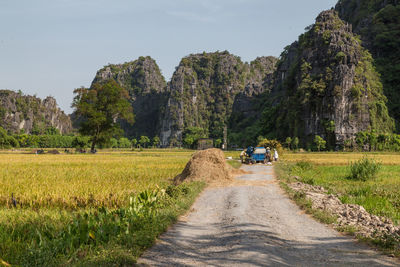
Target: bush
113 143
124 143
80 142
263 142
364 169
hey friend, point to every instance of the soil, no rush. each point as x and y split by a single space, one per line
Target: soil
253 223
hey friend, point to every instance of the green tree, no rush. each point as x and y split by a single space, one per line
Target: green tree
288 142
188 141
156 141
144 140
134 142
319 142
218 142
192 135
7 141
52 131
113 143
124 142
383 140
347 144
361 139
330 127
80 142
372 140
100 107
295 143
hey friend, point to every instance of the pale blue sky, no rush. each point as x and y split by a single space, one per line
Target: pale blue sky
50 47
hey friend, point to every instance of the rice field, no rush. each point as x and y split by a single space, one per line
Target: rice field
341 158
77 209
80 180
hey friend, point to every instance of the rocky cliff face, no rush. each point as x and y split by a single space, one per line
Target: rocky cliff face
326 85
206 88
30 114
259 80
147 89
378 24
244 123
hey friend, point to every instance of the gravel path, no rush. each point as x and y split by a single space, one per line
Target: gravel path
253 223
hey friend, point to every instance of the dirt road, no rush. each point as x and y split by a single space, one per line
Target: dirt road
253 223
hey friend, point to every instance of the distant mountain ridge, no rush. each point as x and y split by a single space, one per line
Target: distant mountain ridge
31 114
339 78
207 88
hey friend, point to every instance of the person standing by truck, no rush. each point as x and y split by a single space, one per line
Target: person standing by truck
268 154
276 156
243 156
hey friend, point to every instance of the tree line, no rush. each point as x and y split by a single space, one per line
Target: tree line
363 141
70 141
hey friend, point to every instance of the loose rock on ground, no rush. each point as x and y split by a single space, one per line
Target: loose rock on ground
366 224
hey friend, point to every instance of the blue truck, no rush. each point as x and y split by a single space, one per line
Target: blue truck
255 155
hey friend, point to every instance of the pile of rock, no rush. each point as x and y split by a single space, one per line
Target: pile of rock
367 225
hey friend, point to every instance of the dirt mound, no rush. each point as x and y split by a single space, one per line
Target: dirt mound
206 165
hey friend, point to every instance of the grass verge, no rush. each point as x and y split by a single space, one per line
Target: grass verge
375 196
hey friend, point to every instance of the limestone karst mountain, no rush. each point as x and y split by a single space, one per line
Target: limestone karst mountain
378 24
207 89
31 114
326 85
147 89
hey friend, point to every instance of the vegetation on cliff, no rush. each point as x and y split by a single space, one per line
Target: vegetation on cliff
202 92
146 86
378 24
30 114
206 89
326 85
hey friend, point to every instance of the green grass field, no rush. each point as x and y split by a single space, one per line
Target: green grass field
380 196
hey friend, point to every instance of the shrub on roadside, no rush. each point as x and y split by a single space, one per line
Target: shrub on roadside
364 169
